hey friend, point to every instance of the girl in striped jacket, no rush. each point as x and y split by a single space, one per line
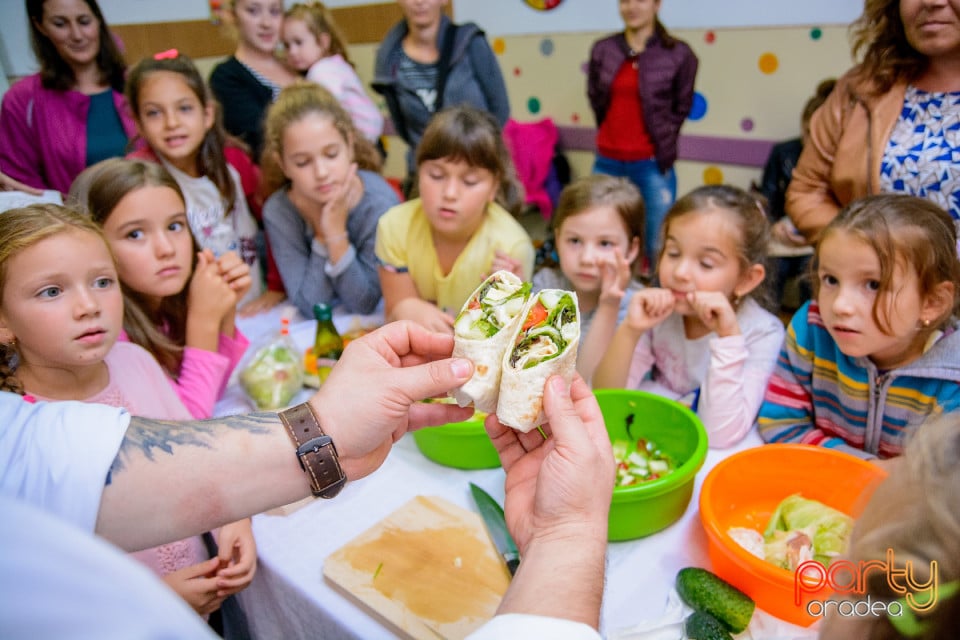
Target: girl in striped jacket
877 352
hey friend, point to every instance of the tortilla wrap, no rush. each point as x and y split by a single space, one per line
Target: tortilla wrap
486 351
521 384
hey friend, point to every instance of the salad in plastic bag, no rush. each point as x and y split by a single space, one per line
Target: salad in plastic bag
799 530
274 375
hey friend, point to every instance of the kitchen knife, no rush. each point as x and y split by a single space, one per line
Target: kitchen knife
492 515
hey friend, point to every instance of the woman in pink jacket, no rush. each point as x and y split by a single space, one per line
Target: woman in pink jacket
72 113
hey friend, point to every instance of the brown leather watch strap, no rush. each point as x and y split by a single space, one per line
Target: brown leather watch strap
315 450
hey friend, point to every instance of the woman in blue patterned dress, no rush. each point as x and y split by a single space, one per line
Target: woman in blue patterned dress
892 124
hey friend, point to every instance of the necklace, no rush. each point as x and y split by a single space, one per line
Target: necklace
634 55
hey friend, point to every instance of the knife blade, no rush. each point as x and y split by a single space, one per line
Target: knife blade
492 514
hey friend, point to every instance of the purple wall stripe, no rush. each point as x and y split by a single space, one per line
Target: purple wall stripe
714 149
738 151
720 150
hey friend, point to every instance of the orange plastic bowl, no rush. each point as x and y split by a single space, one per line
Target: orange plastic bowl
745 489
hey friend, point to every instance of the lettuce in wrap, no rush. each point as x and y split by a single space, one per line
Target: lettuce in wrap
483 331
544 344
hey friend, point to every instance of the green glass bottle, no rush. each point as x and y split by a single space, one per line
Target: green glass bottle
328 344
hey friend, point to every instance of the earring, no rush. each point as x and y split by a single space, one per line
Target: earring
925 323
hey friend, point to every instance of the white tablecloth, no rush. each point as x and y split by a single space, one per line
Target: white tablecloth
289 597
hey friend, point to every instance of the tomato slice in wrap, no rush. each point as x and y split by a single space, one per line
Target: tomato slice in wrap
545 345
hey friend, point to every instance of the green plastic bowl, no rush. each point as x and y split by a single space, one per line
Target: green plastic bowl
648 507
463 445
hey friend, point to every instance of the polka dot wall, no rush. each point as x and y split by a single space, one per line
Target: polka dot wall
751 85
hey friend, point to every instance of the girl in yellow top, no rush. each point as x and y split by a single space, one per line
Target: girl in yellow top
434 250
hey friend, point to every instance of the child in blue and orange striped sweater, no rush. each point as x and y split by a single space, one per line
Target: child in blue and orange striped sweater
877 352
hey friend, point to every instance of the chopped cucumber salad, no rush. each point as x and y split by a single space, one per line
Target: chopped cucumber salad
495 305
640 461
550 324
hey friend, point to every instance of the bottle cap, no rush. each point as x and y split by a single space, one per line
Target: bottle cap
322 311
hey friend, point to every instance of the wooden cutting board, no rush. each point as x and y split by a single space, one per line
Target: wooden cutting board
429 568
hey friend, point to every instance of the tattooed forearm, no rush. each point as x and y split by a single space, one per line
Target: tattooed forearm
152 437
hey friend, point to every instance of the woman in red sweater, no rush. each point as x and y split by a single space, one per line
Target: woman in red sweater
640 86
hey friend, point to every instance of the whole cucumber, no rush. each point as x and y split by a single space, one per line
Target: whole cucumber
705 591
703 626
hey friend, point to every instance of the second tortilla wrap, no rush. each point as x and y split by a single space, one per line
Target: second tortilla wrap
521 382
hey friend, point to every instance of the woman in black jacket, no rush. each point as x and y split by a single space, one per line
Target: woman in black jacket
247 82
640 86
791 257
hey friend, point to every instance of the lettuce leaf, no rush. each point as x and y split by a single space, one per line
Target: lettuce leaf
798 521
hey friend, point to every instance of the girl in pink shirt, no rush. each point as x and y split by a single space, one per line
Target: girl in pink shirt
701 336
315 46
61 312
168 284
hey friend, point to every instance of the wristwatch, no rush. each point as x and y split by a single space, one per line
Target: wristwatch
315 450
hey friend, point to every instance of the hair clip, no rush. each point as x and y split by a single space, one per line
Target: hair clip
908 624
169 54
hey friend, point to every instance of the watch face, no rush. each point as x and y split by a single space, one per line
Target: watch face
543 5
